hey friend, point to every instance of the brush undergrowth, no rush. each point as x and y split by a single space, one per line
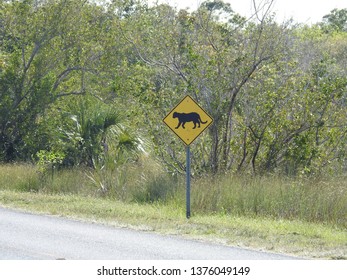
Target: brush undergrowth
308 199
314 200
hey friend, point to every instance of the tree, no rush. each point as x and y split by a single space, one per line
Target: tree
276 91
210 59
336 20
52 50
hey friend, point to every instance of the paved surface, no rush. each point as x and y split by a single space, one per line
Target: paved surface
29 236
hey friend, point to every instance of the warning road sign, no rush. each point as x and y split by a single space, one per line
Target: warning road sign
188 120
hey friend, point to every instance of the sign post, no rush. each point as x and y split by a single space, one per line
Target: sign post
188 182
188 120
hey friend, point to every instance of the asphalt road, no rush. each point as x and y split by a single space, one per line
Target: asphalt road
39 237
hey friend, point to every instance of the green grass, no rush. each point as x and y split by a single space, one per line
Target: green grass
298 238
307 199
295 216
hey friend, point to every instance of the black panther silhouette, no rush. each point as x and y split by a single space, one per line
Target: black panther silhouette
188 117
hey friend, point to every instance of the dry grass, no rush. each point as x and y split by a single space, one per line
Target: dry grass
311 200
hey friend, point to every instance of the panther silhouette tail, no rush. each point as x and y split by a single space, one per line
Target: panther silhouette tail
202 121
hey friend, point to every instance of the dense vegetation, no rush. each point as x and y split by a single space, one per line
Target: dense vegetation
321 201
83 82
87 84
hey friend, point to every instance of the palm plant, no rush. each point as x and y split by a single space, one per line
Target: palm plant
96 134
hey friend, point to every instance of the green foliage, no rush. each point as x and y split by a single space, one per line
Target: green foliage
46 159
336 20
42 64
92 82
93 133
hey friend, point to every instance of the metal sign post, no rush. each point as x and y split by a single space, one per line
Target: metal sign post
188 182
188 120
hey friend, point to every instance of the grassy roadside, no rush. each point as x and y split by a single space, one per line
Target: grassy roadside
308 240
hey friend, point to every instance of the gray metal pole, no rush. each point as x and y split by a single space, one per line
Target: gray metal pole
188 182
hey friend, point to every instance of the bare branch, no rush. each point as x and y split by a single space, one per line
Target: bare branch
264 5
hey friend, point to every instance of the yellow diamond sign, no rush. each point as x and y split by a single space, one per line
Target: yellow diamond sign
188 120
